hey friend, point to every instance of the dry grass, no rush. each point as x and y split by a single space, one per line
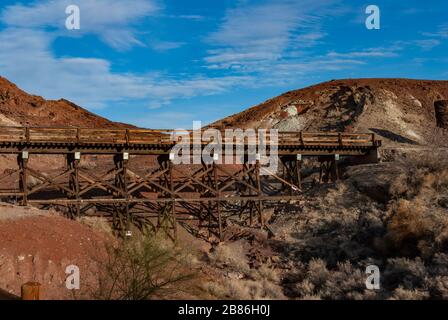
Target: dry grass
417 222
242 282
97 223
339 230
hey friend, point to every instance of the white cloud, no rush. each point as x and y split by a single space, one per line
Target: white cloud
256 33
166 45
310 39
26 58
441 33
194 17
111 20
367 53
427 44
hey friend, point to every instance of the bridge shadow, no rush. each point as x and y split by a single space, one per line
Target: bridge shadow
5 295
393 136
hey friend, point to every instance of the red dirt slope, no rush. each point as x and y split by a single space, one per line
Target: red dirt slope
20 108
36 245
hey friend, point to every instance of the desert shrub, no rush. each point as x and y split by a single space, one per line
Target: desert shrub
141 269
241 281
406 294
438 138
424 175
417 222
344 281
414 228
405 273
339 230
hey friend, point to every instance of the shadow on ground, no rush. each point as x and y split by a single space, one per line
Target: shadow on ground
4 295
392 136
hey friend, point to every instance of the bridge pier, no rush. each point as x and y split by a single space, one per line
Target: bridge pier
292 166
166 213
122 219
22 160
329 168
73 159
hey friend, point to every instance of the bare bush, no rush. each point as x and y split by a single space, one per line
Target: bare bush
141 269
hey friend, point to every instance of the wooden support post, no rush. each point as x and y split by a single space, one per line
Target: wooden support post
329 171
124 172
283 173
336 167
162 160
326 169
299 170
31 291
23 180
73 166
247 176
291 172
173 202
260 192
121 182
321 167
218 203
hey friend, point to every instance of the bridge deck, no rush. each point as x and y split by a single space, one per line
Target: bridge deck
142 141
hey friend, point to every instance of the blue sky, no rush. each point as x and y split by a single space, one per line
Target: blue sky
165 63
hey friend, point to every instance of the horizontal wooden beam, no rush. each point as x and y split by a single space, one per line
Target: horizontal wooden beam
167 200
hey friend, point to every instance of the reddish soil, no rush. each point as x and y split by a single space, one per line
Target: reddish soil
38 246
20 108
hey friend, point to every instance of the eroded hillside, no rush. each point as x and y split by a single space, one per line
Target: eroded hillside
401 111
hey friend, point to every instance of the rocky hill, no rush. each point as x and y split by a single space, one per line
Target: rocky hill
19 108
399 110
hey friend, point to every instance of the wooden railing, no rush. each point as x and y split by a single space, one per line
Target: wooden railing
169 137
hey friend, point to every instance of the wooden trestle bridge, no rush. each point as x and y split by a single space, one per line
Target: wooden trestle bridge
127 175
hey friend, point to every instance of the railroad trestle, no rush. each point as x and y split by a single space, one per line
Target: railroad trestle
135 184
